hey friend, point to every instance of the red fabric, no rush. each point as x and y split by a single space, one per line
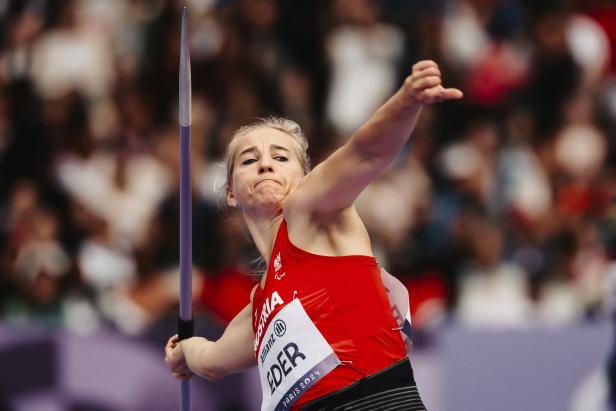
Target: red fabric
226 293
423 291
574 200
346 300
495 75
577 200
606 17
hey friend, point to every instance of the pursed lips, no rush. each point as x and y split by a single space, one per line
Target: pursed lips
265 180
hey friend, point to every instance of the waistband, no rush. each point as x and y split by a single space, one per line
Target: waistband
396 381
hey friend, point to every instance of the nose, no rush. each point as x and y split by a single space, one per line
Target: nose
266 165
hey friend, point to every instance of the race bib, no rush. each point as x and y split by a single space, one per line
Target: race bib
400 307
293 356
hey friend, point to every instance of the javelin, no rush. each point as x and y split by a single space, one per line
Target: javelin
185 321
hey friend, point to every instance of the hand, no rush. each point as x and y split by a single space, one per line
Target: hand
174 356
424 85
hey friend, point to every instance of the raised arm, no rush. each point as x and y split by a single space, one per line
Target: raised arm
335 183
232 353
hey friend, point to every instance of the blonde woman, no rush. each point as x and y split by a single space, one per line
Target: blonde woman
319 325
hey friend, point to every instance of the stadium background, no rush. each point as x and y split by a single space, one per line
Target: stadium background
499 216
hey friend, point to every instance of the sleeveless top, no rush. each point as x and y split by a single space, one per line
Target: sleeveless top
344 298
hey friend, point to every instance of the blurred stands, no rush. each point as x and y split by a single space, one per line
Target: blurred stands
499 214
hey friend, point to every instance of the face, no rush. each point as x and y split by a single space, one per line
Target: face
266 169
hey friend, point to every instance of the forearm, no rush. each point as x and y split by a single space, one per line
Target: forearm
198 355
334 184
230 354
390 127
386 132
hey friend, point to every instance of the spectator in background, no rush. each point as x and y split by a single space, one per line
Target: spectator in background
363 53
87 115
87 118
492 293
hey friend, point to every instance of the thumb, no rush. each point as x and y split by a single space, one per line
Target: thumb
451 94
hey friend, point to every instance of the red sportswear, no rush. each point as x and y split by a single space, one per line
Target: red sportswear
346 300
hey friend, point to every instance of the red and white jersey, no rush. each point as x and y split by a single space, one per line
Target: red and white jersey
344 298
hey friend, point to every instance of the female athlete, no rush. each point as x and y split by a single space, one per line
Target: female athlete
319 325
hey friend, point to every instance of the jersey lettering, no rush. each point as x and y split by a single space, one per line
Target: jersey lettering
287 359
266 310
293 356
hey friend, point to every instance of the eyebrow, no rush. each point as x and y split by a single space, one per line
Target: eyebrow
254 148
281 148
248 150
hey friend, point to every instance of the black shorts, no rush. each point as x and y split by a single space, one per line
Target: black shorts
391 389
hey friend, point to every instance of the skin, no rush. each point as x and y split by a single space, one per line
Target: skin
268 184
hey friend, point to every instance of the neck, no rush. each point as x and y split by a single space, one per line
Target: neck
263 231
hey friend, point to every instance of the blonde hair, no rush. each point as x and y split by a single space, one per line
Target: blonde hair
285 125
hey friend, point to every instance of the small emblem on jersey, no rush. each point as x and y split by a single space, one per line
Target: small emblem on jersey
277 263
280 328
279 276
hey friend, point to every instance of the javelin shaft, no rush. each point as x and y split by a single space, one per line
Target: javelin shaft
185 226
185 254
185 322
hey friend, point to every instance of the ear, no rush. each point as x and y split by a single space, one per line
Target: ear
231 201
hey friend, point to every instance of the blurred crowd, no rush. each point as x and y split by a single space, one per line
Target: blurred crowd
499 213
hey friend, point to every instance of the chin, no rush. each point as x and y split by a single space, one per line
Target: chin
273 204
268 205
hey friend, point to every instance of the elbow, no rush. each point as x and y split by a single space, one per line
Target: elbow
362 149
373 156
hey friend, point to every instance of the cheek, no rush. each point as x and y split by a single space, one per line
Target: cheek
241 186
299 174
243 181
236 184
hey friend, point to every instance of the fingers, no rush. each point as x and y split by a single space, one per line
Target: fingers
168 353
438 94
424 64
182 376
425 84
172 343
431 71
176 361
172 356
452 94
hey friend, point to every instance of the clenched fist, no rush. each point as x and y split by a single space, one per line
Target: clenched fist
424 85
174 356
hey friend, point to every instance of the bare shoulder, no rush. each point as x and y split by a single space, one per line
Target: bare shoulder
337 234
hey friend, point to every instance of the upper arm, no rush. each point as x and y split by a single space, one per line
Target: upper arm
333 185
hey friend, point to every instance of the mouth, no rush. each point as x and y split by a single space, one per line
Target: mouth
267 180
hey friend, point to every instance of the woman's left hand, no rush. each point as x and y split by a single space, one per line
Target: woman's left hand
174 356
425 86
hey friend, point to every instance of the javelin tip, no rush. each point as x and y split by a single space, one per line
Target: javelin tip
185 81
